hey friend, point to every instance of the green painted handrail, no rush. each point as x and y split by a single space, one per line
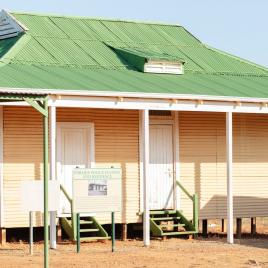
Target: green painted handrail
194 199
195 211
72 210
66 194
184 190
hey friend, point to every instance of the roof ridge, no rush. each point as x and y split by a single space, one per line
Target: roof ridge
95 18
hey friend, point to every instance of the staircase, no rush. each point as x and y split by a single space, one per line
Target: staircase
173 222
170 223
90 229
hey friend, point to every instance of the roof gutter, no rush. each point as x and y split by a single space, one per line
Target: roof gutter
131 95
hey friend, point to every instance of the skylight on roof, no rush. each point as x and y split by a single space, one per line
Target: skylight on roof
148 61
9 26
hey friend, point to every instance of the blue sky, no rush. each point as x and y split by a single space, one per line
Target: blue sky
236 26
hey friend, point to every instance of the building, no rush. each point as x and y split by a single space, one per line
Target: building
148 98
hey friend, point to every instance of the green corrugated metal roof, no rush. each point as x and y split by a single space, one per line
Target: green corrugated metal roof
149 54
77 53
55 77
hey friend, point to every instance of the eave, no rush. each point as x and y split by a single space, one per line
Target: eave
145 101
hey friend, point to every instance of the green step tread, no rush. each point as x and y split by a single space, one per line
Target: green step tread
162 212
172 225
88 230
82 221
165 218
179 233
94 238
85 222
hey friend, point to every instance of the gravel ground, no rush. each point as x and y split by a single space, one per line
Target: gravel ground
211 252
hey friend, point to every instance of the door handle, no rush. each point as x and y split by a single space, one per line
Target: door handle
170 172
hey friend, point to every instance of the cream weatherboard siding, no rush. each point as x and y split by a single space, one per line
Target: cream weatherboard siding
203 166
116 144
202 158
23 147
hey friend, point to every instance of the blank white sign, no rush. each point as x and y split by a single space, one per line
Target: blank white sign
32 196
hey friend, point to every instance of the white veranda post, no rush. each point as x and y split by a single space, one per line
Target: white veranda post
52 126
229 160
146 212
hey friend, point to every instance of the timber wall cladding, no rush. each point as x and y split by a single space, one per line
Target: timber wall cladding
203 163
116 144
23 152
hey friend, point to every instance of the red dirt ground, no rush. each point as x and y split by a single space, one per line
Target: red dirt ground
213 252
175 252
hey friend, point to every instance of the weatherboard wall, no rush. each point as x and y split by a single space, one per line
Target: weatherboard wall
203 163
202 159
116 144
23 147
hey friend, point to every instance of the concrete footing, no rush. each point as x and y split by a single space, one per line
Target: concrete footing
124 231
59 234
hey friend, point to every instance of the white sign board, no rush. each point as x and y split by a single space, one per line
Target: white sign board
32 196
97 190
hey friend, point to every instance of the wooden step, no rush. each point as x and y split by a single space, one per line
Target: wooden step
179 233
162 212
172 225
94 238
88 230
85 222
165 219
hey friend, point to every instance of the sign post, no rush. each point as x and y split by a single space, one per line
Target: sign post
31 232
113 232
77 232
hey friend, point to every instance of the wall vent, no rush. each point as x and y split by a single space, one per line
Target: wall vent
9 26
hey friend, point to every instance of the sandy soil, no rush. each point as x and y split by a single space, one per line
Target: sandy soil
212 252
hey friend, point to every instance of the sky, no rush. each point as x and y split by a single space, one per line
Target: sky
239 27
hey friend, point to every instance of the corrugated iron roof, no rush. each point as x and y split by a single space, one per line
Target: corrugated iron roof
54 77
75 53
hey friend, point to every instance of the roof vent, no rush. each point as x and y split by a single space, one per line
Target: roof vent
149 61
9 26
163 67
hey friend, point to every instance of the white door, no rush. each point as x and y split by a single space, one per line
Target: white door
161 180
75 150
